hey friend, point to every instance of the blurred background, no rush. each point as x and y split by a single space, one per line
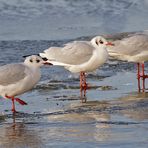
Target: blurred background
64 19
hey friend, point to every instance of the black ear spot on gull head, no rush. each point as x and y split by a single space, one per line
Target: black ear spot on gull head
97 42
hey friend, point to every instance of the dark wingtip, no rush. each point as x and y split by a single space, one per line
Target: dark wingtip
45 59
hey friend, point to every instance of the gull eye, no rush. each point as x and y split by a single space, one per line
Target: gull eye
101 42
37 61
31 60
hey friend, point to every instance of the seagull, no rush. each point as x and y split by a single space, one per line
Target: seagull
133 48
18 78
79 56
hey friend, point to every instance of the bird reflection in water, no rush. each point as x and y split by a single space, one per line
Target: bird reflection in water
17 135
83 124
138 103
83 97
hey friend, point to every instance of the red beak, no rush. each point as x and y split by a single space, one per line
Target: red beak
110 44
46 63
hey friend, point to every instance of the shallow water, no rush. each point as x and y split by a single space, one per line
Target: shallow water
113 113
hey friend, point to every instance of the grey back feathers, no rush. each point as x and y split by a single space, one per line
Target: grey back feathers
11 73
131 45
74 53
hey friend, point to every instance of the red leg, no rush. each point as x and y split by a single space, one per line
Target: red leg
82 88
143 77
138 76
13 103
20 101
81 80
84 82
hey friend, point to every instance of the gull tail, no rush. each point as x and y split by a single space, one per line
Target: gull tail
59 63
43 55
113 53
52 61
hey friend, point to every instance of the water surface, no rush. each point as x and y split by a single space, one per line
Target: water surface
113 113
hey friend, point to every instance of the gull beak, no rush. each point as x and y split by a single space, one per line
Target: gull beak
47 63
110 44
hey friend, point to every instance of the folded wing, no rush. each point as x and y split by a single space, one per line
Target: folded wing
73 53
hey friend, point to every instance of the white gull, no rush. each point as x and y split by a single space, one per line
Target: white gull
133 48
79 56
18 78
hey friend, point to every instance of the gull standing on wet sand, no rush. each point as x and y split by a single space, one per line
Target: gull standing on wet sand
16 79
79 56
133 48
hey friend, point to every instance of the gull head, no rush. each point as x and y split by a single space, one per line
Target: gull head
34 61
99 41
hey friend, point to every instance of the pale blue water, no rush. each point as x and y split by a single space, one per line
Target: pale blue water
64 19
114 115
